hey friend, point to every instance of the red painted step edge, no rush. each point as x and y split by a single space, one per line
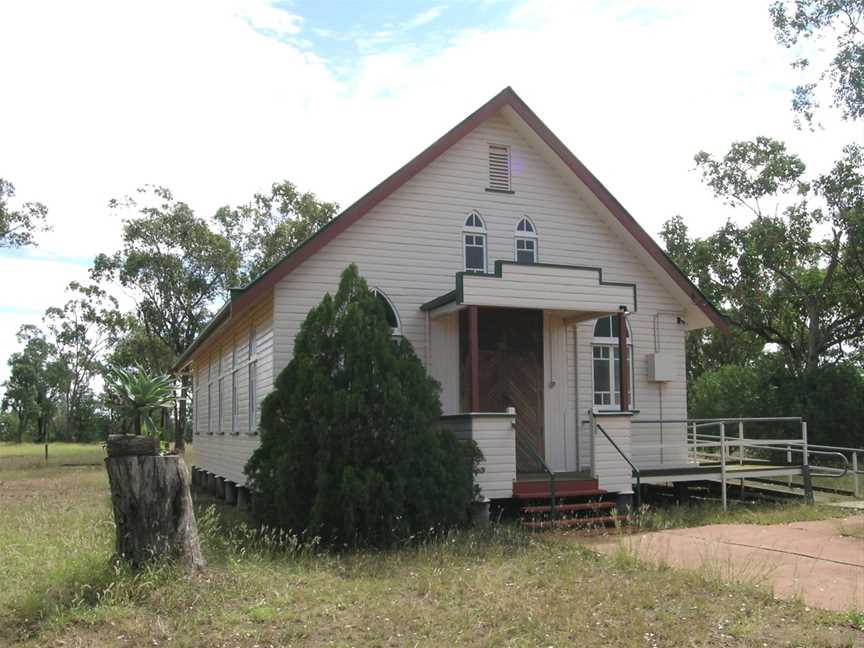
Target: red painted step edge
560 492
539 488
582 506
572 522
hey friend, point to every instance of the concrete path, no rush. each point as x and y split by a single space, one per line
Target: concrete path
820 562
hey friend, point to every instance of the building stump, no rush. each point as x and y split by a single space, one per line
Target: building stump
230 492
152 503
244 502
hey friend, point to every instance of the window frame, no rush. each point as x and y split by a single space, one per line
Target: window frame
234 404
611 343
196 411
395 331
476 232
526 236
252 378
210 407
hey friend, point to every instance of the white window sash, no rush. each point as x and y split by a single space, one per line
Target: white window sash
466 245
614 394
253 396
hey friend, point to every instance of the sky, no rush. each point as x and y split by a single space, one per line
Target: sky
217 99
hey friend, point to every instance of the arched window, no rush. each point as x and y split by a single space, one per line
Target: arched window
525 242
474 243
606 361
389 311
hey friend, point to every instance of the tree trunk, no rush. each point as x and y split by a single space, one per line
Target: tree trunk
22 423
152 503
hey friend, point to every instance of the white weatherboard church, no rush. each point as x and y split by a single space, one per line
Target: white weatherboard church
529 292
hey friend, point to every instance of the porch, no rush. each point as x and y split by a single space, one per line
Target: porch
499 345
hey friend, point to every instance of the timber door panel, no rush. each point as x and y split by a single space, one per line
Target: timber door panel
511 374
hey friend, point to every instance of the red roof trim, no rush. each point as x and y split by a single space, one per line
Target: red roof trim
242 299
367 202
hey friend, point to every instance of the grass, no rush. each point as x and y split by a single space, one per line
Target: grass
700 514
490 587
27 460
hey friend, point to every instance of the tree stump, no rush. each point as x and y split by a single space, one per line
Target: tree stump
152 503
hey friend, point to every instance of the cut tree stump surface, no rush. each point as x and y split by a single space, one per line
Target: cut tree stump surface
128 445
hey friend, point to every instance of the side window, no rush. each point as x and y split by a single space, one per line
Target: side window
390 312
474 243
606 360
525 242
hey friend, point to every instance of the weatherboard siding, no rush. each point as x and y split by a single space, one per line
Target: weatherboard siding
443 364
495 437
546 287
409 246
613 472
224 451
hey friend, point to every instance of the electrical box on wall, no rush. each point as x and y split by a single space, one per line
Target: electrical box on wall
661 367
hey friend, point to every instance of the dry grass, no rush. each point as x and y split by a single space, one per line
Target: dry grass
495 587
704 513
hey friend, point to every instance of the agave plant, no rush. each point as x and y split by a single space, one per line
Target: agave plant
137 395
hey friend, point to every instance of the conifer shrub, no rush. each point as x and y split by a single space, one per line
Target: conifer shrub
351 447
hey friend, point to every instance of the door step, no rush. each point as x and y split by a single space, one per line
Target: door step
577 522
563 492
569 508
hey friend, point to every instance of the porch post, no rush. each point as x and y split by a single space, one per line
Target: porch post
474 357
624 360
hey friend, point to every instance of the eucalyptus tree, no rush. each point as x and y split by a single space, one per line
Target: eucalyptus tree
840 25
18 226
175 268
36 381
271 225
81 332
793 275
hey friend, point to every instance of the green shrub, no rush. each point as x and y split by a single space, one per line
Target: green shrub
351 450
829 397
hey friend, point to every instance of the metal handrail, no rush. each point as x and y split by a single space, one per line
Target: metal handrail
548 471
743 419
627 459
770 444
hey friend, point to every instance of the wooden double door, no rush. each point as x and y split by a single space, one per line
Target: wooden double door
510 344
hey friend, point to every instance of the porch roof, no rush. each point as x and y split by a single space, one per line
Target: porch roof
542 286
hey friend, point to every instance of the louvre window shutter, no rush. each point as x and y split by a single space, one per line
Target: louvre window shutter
499 167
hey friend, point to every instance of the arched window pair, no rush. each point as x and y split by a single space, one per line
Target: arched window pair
474 242
606 360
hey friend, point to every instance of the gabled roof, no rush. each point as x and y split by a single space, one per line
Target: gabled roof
243 298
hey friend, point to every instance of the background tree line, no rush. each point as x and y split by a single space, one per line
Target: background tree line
173 268
790 280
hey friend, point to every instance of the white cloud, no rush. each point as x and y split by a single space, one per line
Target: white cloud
102 96
423 18
261 14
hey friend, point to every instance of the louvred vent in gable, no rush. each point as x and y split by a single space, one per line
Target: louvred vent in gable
499 167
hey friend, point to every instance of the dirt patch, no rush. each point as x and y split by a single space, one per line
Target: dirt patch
822 563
